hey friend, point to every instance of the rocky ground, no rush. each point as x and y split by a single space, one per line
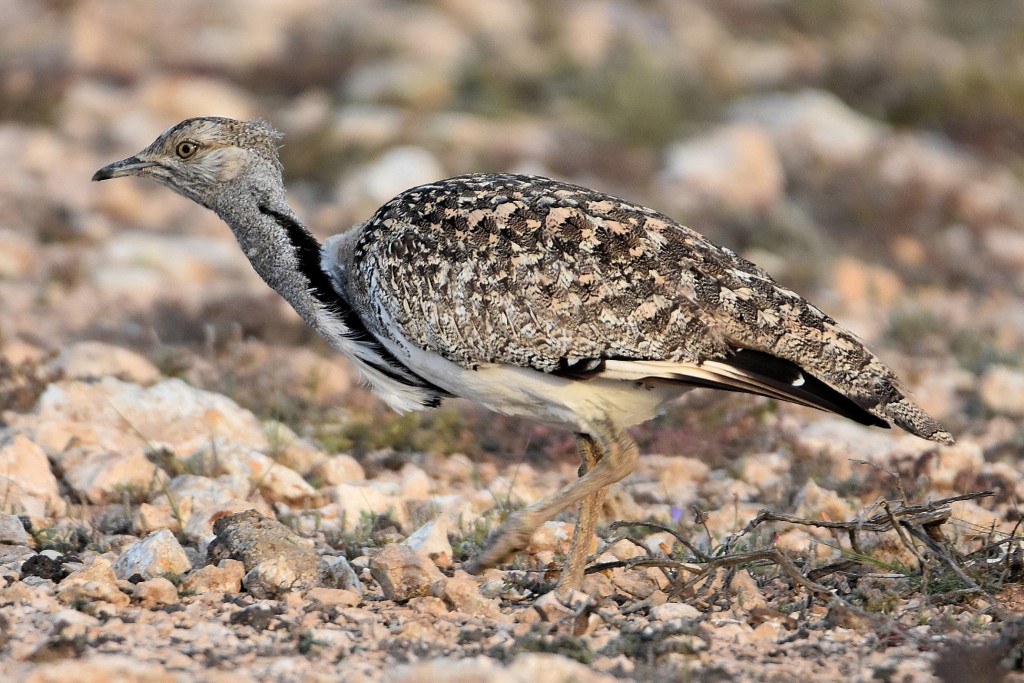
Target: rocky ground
192 487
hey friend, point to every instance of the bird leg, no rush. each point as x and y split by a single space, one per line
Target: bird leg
586 519
620 455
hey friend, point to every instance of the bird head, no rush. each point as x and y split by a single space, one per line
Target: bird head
208 158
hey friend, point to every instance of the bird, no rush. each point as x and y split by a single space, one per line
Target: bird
534 298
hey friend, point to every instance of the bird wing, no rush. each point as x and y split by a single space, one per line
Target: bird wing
536 273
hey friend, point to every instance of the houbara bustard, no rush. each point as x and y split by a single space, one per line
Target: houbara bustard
534 298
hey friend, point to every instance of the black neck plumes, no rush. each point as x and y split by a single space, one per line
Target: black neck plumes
307 253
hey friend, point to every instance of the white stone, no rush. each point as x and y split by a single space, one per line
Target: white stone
1002 390
104 476
274 480
18 254
812 126
735 166
155 592
463 594
339 469
118 416
27 484
403 573
225 577
201 522
158 554
91 359
95 581
415 483
272 577
337 573
815 502
12 531
431 540
353 501
551 536
675 610
396 170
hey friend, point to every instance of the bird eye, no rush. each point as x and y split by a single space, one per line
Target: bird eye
186 149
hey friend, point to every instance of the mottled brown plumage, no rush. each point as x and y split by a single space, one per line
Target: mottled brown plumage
531 272
534 298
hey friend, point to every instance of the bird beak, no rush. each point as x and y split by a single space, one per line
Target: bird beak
130 166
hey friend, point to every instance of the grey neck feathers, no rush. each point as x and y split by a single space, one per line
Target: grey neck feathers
282 252
287 256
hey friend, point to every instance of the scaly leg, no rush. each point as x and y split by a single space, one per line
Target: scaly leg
619 458
586 519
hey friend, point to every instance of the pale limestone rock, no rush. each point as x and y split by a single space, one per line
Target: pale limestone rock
285 485
415 483
812 127
334 596
525 668
190 492
806 542
320 378
27 483
339 469
114 415
844 443
553 607
1002 390
336 572
365 124
149 518
462 593
178 96
224 577
551 536
636 584
748 595
95 581
275 481
201 522
674 610
659 543
292 451
274 576
815 502
19 351
356 500
674 470
397 169
973 516
18 254
548 668
155 592
767 471
276 560
431 540
12 531
962 459
100 669
158 554
769 632
403 573
735 166
103 476
623 550
91 360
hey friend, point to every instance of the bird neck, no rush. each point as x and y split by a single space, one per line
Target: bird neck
287 256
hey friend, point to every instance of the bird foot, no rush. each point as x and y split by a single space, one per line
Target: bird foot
512 537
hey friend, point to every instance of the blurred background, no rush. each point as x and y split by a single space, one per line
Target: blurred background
868 154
